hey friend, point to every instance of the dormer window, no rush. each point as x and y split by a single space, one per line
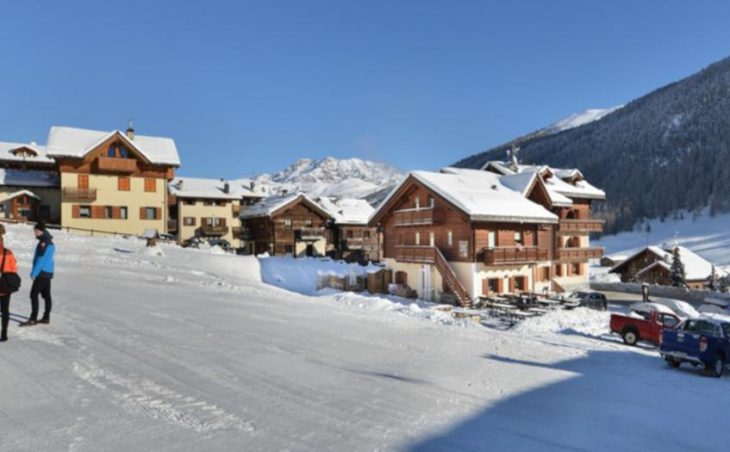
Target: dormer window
116 150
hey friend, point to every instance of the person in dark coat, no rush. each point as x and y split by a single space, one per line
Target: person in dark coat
8 264
42 274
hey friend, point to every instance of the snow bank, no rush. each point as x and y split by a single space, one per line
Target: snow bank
302 274
581 321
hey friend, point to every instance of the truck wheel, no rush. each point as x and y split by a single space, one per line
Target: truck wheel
674 363
631 337
717 367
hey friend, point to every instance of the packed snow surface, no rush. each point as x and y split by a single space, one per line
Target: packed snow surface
191 350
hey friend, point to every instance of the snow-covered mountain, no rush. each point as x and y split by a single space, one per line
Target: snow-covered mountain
347 178
578 119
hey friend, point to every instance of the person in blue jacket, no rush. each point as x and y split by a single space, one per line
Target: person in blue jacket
42 274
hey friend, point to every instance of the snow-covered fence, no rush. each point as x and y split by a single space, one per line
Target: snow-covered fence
690 296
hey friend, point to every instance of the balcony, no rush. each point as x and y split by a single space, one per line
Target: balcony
414 217
310 234
79 194
576 226
415 253
213 230
243 233
579 254
236 209
116 165
514 255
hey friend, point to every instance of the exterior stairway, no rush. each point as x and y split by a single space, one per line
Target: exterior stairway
452 282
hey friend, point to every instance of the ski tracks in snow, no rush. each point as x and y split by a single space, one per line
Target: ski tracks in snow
145 397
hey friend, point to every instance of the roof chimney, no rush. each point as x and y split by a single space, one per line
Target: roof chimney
130 131
226 186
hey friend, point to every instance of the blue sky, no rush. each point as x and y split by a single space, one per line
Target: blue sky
247 87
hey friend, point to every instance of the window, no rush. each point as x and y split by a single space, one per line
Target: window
108 212
85 211
123 153
208 202
491 239
287 223
450 238
493 285
366 234
308 222
150 213
418 238
520 283
417 203
112 151
188 221
431 201
519 238
463 248
431 239
83 181
348 234
123 183
123 213
577 268
150 185
558 269
545 274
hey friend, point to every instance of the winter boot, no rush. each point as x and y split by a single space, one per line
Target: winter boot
45 320
30 322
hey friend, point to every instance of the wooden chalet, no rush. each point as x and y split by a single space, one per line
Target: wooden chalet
352 238
287 225
465 234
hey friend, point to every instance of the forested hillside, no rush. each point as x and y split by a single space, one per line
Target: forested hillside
665 151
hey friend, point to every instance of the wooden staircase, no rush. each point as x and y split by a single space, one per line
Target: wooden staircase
452 282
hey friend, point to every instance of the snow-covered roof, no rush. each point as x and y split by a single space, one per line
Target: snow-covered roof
29 178
8 152
555 184
695 266
18 193
482 196
269 206
74 142
191 187
347 210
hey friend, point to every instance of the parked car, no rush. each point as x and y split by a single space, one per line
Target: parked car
683 309
644 322
701 341
193 242
592 300
715 306
225 245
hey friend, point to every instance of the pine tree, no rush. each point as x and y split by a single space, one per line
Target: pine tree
677 273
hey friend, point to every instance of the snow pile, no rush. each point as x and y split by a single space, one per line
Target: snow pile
581 321
413 308
153 251
301 275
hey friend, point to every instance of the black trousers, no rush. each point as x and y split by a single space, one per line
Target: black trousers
41 286
5 308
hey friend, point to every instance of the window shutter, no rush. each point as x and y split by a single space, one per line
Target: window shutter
116 213
512 285
141 213
195 221
76 211
223 222
158 213
500 283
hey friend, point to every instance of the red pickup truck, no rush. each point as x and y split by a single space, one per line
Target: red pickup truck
645 322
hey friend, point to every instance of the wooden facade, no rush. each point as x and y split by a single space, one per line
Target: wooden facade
299 228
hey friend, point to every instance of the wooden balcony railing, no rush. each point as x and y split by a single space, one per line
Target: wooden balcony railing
310 233
79 194
586 225
414 217
359 243
513 255
215 231
415 253
116 165
579 254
